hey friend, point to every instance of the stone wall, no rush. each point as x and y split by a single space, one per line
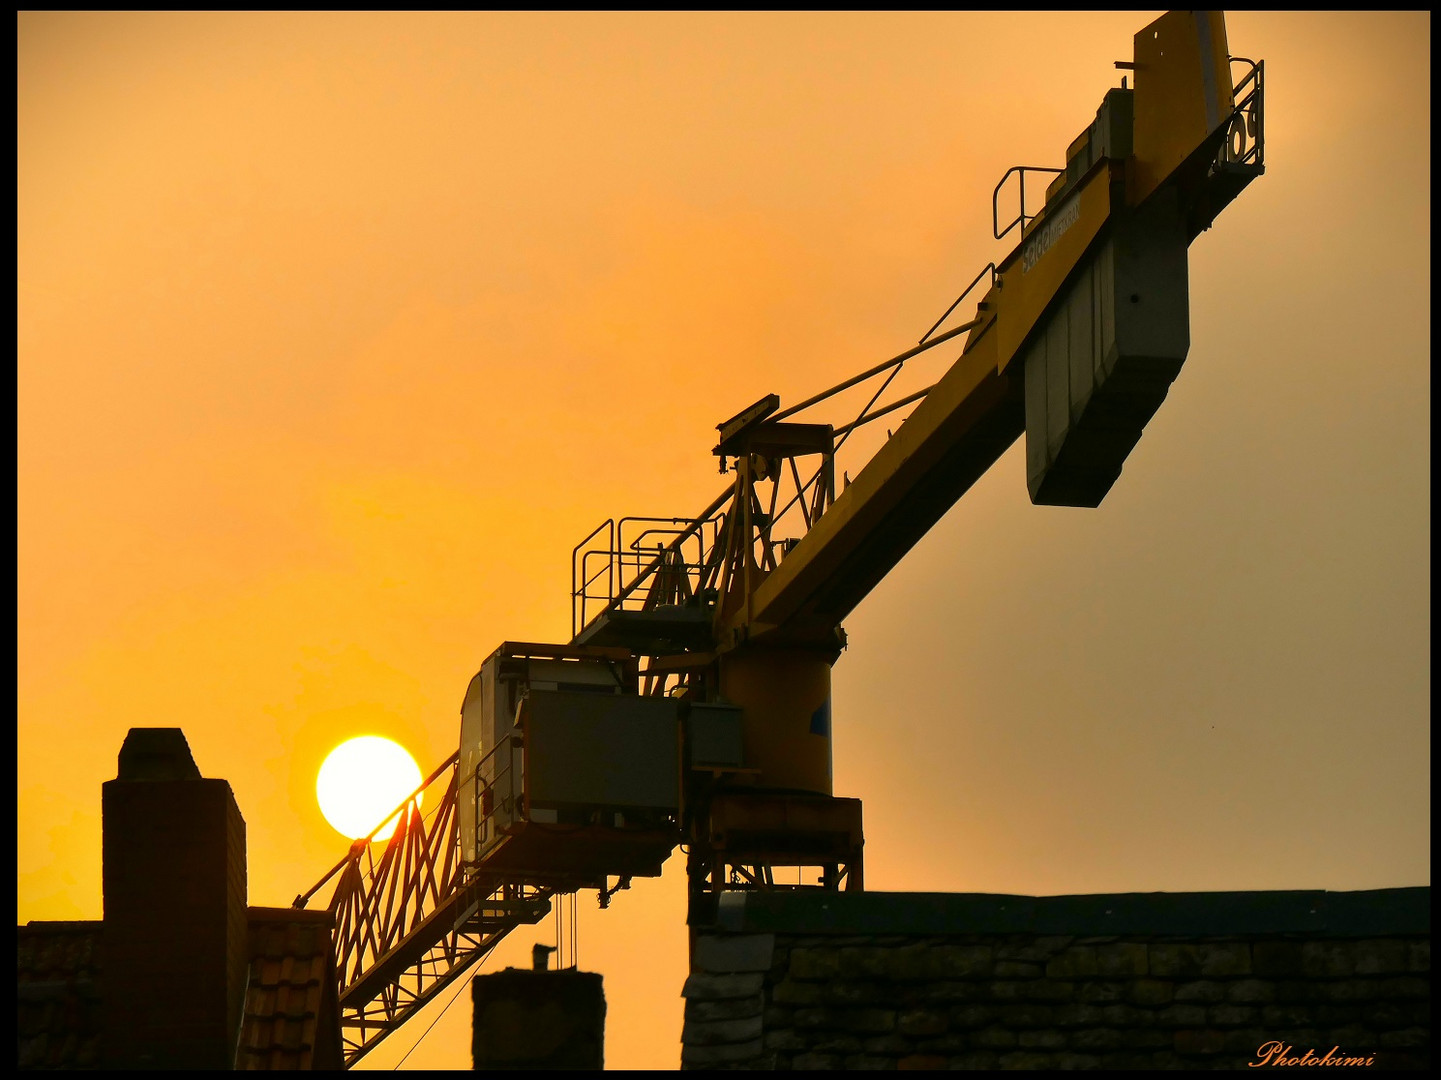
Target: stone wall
880 981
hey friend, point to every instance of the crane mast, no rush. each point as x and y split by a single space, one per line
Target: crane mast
692 704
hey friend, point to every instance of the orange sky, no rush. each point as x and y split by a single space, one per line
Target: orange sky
336 333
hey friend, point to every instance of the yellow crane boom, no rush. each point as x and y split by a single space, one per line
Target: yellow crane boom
577 765
1075 343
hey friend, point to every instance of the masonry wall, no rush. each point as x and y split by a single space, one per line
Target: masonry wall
881 981
173 941
538 1020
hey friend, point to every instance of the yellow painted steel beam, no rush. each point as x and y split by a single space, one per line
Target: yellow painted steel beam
1183 94
964 424
1054 245
1182 106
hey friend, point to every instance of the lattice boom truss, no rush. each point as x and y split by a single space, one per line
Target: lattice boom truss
409 919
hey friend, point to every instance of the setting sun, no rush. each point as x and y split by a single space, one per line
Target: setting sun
362 780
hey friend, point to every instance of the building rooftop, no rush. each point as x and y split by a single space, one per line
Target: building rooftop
292 1015
1367 913
291 1018
58 1008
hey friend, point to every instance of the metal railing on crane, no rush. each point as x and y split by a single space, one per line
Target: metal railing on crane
626 570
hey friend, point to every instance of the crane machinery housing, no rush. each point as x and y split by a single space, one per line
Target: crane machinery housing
692 705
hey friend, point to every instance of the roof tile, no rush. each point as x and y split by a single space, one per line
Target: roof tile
291 1018
58 1013
287 1008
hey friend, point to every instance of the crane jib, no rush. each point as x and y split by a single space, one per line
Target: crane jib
1050 231
578 766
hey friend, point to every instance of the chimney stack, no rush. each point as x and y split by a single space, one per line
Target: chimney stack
173 950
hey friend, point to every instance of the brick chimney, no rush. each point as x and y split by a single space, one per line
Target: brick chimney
173 947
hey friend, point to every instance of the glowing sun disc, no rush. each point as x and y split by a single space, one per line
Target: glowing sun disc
361 781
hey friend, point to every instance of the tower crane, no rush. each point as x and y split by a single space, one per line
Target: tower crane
691 706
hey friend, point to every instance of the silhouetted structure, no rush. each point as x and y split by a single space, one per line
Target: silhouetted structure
1126 981
180 973
539 1020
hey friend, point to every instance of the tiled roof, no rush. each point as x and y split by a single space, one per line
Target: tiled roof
292 1016
291 1019
58 990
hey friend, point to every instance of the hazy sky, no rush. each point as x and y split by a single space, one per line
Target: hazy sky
336 333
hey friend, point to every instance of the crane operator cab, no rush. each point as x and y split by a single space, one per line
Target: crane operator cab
567 774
